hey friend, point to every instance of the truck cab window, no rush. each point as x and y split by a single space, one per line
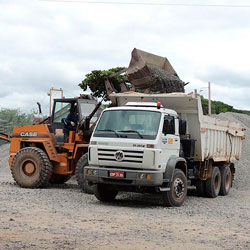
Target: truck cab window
168 125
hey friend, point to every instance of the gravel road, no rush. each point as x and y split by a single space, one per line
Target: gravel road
62 217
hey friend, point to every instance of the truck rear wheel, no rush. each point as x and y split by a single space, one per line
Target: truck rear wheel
59 179
178 190
31 168
214 183
226 180
104 193
83 184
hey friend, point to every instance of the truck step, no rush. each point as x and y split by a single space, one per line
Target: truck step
164 189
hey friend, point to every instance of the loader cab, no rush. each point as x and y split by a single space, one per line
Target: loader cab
61 110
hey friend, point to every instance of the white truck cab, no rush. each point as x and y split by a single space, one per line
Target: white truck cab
131 145
140 146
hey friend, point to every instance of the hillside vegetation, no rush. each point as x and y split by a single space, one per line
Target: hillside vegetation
220 107
9 118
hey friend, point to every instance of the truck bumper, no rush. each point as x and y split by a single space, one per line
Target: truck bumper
131 177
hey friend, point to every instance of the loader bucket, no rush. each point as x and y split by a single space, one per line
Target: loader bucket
149 71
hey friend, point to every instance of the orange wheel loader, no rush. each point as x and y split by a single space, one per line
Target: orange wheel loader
49 152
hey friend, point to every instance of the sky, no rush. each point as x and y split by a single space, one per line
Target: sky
48 44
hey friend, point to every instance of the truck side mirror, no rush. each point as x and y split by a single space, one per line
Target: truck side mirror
169 125
182 127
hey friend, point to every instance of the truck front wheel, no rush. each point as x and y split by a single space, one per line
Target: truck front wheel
214 183
104 193
226 181
178 190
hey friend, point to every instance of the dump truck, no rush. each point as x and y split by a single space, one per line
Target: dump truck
162 143
50 152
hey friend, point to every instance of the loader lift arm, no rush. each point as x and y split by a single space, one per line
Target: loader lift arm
5 137
84 123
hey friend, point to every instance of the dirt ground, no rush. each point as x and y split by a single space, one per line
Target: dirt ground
62 217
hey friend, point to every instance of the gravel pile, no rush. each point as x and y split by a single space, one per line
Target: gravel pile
156 79
4 153
242 166
164 82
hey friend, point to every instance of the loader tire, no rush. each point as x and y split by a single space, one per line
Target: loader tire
59 179
104 193
178 190
213 184
31 168
83 161
226 180
200 188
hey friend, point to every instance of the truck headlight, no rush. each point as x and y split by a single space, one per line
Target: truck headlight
92 172
142 176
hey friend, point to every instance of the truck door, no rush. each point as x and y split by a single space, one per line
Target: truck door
170 141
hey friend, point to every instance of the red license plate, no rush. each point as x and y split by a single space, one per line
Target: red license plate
116 174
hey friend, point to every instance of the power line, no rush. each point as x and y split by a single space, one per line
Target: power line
149 3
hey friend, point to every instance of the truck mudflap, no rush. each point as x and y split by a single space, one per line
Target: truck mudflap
119 176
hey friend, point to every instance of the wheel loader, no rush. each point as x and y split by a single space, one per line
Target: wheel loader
49 152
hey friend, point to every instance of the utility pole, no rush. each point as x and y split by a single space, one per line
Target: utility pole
209 99
50 97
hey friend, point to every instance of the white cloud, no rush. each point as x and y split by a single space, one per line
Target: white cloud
55 44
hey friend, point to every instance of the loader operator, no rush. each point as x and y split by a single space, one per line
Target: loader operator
72 119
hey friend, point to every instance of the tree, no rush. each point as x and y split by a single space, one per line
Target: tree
9 118
96 81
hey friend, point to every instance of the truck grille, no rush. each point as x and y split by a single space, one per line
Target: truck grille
132 156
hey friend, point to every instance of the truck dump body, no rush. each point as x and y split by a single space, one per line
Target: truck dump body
214 138
222 140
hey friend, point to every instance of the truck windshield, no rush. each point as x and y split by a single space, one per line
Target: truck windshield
128 124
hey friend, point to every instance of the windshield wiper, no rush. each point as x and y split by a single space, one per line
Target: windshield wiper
109 130
131 131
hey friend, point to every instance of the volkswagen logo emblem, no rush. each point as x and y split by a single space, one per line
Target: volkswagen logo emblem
119 155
